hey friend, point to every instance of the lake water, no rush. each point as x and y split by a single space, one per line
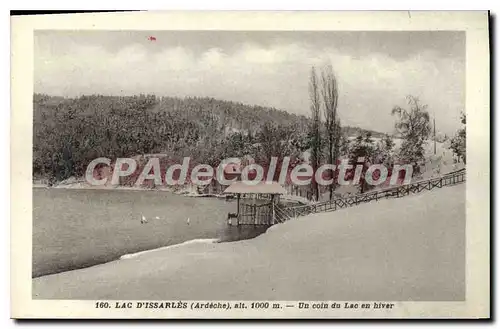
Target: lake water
79 228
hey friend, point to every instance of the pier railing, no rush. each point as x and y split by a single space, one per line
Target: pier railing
453 178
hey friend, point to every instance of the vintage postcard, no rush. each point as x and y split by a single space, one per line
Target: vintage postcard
250 165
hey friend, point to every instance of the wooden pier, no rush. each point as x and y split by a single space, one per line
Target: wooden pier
453 178
272 212
248 212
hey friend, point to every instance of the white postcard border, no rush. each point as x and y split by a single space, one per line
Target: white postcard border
475 24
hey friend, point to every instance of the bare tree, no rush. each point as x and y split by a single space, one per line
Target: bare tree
458 143
413 125
329 92
315 133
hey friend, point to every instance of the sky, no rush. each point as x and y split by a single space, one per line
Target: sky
375 70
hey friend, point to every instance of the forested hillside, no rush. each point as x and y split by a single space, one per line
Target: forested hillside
70 132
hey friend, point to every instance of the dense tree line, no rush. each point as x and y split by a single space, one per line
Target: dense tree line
68 133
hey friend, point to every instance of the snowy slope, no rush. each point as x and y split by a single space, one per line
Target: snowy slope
411 248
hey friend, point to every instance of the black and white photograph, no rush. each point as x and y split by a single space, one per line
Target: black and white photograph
230 170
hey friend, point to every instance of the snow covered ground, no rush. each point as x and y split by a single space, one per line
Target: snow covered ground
435 165
411 248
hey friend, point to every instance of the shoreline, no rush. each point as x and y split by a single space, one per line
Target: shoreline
177 245
184 191
187 243
173 233
143 252
331 249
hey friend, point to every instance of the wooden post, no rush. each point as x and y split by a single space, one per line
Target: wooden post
238 204
238 210
273 218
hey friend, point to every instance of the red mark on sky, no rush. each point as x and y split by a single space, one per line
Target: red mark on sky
151 38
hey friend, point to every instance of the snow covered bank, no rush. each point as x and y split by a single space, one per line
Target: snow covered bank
137 254
411 248
81 184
